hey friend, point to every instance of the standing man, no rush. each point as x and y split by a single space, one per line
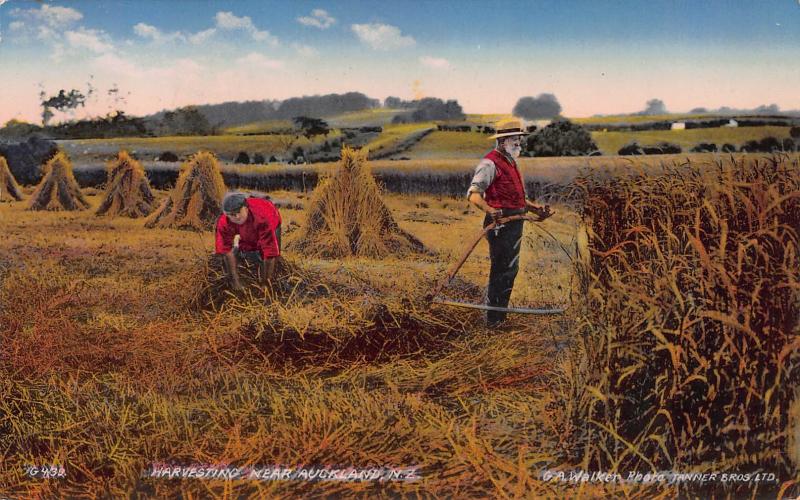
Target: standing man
258 224
499 190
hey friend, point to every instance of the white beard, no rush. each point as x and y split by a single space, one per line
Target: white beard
514 151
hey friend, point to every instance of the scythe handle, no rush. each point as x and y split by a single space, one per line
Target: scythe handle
451 273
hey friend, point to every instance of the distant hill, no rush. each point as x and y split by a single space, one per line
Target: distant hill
230 114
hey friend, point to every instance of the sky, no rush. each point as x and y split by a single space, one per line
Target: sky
595 56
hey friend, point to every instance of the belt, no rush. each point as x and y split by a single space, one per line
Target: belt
513 211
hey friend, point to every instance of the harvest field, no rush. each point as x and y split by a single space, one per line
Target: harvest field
396 141
396 137
443 144
611 142
366 118
622 119
345 342
225 146
115 368
122 352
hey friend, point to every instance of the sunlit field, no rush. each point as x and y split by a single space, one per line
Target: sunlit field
111 365
611 142
124 350
223 145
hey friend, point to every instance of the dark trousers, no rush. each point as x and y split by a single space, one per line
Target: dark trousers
255 255
249 258
504 246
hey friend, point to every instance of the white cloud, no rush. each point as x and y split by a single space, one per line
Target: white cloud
264 36
54 17
118 66
256 60
435 62
151 32
57 54
95 40
44 23
202 36
319 18
230 21
146 31
305 50
382 36
113 63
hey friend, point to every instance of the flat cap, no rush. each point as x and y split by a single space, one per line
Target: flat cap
233 202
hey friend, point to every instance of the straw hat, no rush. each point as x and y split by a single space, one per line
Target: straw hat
509 127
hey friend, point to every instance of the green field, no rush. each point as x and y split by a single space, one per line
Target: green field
487 118
224 146
610 142
365 118
440 144
264 127
393 135
622 119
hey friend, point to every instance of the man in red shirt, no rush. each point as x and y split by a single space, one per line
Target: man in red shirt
258 224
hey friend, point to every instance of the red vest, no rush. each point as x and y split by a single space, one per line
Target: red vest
507 190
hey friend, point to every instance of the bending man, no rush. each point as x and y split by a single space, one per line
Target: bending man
258 224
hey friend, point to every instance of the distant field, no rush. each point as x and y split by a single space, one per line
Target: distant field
396 140
487 118
619 119
436 176
224 146
393 135
364 118
451 145
260 127
610 142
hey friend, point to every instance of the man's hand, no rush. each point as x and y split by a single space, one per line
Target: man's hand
495 213
231 271
477 199
541 212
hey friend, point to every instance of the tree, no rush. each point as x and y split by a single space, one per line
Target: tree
632 148
654 107
561 138
311 127
704 147
662 148
397 103
764 109
242 158
63 101
18 128
431 108
392 102
185 121
543 106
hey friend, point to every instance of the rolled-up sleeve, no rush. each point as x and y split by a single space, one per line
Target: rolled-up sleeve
484 176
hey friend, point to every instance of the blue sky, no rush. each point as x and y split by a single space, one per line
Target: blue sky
595 56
